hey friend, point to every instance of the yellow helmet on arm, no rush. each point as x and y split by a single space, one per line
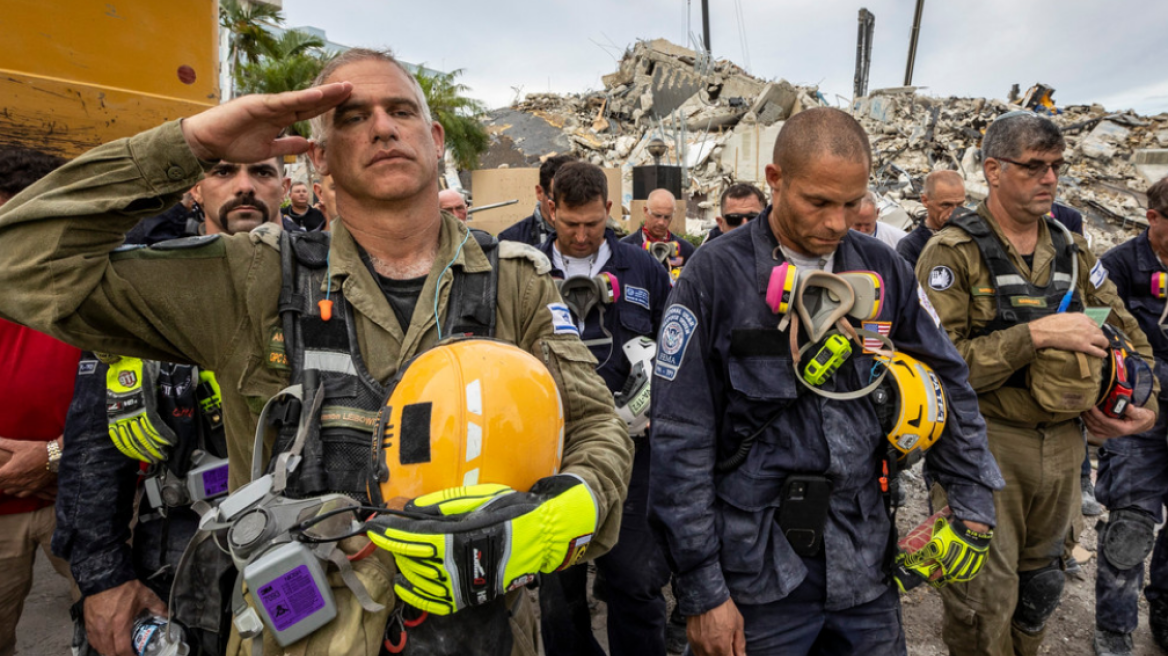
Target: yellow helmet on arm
466 412
910 404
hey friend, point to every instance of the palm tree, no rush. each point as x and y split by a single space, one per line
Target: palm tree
246 24
460 116
289 63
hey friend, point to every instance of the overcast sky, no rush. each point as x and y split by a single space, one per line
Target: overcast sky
1110 52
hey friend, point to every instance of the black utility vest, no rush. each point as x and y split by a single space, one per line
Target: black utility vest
338 453
1019 300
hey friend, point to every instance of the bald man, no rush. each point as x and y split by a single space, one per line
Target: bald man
868 222
659 210
944 192
766 563
451 200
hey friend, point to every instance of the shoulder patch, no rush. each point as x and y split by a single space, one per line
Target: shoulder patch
927 305
941 278
562 323
267 233
1098 274
86 367
515 250
677 327
637 296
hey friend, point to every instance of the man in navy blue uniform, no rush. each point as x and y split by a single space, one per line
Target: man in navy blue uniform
724 373
635 571
1133 470
535 229
659 209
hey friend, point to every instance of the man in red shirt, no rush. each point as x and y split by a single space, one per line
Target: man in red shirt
37 374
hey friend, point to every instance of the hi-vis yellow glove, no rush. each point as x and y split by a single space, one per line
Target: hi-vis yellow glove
210 398
955 550
132 410
480 542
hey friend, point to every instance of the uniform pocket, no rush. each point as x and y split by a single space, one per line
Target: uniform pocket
258 383
635 319
763 378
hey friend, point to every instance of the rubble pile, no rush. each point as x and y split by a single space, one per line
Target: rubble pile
710 114
719 124
1111 157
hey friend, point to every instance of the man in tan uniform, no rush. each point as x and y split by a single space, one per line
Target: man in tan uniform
382 149
1003 281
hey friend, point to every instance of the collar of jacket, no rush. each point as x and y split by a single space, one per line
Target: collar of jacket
1146 258
362 291
616 259
767 256
1043 249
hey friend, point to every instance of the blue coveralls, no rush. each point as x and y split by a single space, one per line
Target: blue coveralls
637 238
532 231
911 246
722 369
635 569
1133 470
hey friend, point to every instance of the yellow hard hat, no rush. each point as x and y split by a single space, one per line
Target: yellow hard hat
468 411
910 405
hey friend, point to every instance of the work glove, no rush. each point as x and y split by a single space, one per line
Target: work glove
954 554
467 546
135 426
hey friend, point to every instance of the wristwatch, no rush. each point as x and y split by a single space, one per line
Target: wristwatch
54 456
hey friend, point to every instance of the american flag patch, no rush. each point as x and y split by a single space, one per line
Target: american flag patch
871 344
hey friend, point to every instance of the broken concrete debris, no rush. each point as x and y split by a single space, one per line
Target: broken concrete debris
720 123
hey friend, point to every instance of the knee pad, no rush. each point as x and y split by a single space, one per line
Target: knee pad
1039 592
1127 537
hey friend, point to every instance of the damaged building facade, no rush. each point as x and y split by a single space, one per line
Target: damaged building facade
719 125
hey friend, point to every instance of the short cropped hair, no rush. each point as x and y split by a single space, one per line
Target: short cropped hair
1158 197
942 177
578 183
21 167
547 170
820 131
1014 133
320 129
740 190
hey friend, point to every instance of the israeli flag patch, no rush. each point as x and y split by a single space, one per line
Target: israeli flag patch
677 328
562 323
1098 274
637 296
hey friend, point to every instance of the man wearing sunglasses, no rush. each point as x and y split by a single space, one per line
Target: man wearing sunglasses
740 203
1010 287
1133 470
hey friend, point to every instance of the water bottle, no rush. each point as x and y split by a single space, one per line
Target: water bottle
150 638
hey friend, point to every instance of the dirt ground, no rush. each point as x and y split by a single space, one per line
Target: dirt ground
45 628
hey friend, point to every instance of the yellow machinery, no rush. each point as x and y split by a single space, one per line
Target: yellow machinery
78 73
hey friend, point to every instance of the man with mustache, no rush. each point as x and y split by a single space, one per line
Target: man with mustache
1002 279
398 275
118 582
724 384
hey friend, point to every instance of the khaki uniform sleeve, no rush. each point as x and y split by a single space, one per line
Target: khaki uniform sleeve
597 447
1106 295
992 358
62 277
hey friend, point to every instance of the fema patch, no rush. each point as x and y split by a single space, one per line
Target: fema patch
562 323
924 299
677 328
637 296
1098 274
941 278
86 367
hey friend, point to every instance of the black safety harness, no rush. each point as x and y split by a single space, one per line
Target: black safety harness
336 454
